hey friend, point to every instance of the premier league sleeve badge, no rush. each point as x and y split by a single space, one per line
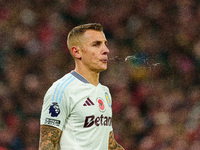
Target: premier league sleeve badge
54 109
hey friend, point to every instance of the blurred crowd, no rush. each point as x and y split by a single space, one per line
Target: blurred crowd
153 72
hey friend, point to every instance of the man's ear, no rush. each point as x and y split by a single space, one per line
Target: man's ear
76 52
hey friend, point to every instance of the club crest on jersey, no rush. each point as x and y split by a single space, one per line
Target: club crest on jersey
54 109
101 104
108 99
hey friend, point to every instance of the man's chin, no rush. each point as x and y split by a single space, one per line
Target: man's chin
103 69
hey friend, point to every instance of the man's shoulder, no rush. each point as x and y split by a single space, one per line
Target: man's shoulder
65 82
104 87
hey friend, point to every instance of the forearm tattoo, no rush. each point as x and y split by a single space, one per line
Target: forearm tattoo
49 138
113 145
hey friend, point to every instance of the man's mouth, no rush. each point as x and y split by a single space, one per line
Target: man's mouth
104 60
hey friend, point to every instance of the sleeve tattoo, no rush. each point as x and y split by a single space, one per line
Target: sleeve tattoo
49 138
113 145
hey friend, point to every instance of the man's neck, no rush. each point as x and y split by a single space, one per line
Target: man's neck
91 76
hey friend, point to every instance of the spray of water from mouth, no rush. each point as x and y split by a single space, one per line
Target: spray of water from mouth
116 58
143 60
130 57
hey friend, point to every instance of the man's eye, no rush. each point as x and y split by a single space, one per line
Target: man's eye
96 44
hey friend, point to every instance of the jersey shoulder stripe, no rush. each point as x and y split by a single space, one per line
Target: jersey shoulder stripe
61 86
65 88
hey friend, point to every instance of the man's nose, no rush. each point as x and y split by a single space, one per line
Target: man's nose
105 50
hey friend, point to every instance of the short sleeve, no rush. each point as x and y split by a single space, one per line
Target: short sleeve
54 110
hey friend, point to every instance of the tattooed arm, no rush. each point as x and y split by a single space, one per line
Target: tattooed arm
113 145
49 137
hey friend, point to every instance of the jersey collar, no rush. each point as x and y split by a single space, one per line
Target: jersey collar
78 76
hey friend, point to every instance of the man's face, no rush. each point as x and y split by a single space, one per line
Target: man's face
94 51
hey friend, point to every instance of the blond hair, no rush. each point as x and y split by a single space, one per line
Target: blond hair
74 35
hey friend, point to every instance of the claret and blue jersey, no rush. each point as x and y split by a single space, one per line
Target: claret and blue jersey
81 110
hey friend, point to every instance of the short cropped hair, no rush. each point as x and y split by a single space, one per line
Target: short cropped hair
78 31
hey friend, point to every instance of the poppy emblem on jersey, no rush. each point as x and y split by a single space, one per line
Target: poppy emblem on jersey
108 99
54 109
101 104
